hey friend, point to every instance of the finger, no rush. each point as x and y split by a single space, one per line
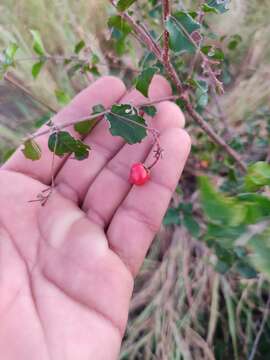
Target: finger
139 216
78 176
106 90
116 171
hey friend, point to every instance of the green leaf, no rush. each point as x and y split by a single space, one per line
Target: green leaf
7 58
10 52
97 109
117 22
62 143
219 208
144 79
259 251
62 97
234 41
213 52
84 127
178 27
79 46
258 175
172 217
149 110
43 119
125 122
38 44
220 5
201 94
31 150
8 153
191 224
123 5
120 31
36 68
209 9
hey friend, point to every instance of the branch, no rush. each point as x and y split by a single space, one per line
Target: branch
166 35
177 81
91 117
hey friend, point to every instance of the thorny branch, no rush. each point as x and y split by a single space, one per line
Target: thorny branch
183 94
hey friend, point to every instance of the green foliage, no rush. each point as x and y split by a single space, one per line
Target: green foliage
258 175
38 46
126 122
36 68
230 224
84 127
31 150
144 79
79 46
180 26
123 5
62 143
183 214
149 110
7 58
219 5
121 29
62 97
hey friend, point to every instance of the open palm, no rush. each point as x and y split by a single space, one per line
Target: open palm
67 268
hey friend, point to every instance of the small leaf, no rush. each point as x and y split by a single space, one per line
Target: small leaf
43 119
36 68
149 110
62 143
37 45
31 150
258 175
62 97
84 127
117 22
10 52
125 122
191 224
79 46
123 5
144 79
209 9
82 150
178 27
172 217
97 109
8 153
220 5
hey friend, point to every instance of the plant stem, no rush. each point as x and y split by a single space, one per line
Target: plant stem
153 47
91 117
166 13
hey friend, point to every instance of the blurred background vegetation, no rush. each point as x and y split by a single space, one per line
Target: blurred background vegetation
183 306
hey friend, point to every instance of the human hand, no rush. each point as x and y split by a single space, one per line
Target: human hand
67 268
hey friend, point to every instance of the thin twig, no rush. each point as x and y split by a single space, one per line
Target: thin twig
166 35
91 117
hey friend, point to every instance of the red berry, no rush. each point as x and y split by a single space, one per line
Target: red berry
139 175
